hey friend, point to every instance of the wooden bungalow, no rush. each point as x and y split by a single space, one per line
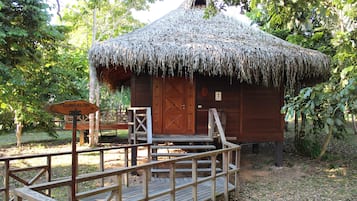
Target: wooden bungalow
182 64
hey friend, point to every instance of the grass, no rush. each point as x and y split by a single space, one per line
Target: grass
33 137
9 139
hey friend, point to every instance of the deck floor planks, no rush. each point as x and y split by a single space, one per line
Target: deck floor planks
158 185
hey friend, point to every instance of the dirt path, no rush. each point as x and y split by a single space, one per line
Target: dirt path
299 179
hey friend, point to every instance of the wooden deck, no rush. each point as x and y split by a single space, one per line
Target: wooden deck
219 181
159 185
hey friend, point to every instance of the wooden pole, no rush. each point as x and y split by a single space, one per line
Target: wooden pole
74 154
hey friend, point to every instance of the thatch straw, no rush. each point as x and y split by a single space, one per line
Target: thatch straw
183 43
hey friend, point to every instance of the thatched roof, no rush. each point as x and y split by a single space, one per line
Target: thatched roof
183 43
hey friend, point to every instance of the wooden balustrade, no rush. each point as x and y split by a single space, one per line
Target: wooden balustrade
46 169
222 173
116 190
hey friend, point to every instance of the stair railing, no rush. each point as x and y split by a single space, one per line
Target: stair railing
231 160
214 123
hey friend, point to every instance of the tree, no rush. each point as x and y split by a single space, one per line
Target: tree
330 27
31 68
96 21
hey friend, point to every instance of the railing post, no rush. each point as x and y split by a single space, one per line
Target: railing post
210 123
149 159
101 163
118 196
213 175
134 149
226 175
236 173
126 164
172 182
131 125
194 180
49 172
146 184
149 125
7 180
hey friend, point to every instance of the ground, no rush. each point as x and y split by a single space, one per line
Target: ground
300 178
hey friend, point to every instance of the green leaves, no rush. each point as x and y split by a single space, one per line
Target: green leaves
327 26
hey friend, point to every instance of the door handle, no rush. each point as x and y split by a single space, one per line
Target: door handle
183 106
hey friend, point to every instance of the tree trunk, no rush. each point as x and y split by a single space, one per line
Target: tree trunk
325 145
299 132
92 89
19 127
354 124
97 114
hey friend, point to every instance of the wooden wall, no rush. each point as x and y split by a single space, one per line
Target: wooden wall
141 91
229 105
252 112
261 120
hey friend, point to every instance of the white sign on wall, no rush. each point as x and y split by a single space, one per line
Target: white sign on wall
218 96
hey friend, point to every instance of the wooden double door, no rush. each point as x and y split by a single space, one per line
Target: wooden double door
173 106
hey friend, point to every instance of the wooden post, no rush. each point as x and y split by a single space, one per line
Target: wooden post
194 180
146 183
210 123
255 148
134 149
126 164
101 155
213 175
172 182
148 125
120 188
279 154
49 173
226 174
7 180
236 173
74 154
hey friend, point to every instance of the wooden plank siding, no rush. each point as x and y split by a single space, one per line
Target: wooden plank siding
141 91
261 120
252 113
230 104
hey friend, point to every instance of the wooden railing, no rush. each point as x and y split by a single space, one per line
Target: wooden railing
228 168
11 172
215 128
110 119
140 124
214 124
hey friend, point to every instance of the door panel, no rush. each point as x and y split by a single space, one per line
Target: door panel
174 106
157 106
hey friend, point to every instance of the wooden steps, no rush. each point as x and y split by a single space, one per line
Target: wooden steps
186 147
181 138
185 170
171 146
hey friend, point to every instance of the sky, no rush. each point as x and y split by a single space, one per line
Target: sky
159 9
156 10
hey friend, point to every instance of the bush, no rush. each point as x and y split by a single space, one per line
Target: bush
6 121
